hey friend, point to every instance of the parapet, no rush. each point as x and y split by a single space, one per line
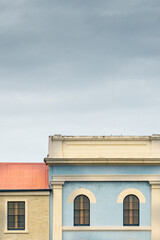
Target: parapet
104 150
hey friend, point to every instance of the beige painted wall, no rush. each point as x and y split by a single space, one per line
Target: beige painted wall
104 147
38 218
155 212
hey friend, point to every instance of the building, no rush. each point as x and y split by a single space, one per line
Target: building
24 201
104 187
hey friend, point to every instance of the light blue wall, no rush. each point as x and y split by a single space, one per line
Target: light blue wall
106 235
106 211
62 170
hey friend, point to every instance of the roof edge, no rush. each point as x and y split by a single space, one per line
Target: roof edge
111 137
102 161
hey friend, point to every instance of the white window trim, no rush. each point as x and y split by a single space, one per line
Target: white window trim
130 191
16 199
81 191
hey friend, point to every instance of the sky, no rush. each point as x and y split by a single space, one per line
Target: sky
76 67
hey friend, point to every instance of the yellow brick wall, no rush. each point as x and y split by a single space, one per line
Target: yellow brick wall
38 218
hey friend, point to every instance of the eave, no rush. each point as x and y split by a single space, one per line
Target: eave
102 161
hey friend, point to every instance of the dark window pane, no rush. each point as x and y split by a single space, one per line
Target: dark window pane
131 210
125 220
77 213
11 224
86 205
86 214
76 220
20 218
135 220
86 221
21 224
76 205
81 210
126 213
10 204
16 215
126 205
11 218
10 211
21 211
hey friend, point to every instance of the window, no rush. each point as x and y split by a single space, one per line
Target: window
131 211
16 215
81 211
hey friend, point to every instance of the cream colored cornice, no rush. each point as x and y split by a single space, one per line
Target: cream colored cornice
153 179
102 161
106 228
57 183
100 138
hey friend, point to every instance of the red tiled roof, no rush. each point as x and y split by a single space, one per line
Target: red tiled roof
23 176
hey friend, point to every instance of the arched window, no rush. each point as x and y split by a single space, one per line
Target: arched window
131 211
81 211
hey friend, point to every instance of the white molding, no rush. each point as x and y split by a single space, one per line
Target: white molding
57 184
103 161
80 191
129 191
155 185
10 199
106 228
107 178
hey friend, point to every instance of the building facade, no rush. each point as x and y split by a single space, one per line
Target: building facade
24 201
104 187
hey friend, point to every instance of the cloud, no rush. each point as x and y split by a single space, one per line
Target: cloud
76 67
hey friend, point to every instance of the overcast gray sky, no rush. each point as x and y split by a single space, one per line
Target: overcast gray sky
76 67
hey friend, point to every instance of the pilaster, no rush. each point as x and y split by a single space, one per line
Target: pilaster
57 210
155 210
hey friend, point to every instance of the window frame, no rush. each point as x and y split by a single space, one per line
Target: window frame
12 212
138 211
88 224
16 199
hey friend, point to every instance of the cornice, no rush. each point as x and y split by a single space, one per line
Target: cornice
102 161
22 193
57 183
152 179
59 137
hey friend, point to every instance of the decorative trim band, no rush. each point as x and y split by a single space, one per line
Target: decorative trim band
103 161
129 191
153 179
80 191
59 137
46 193
106 228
